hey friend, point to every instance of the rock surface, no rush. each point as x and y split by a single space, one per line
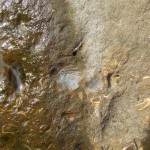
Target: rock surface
74 75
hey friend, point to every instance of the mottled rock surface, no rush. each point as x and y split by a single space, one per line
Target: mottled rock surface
74 75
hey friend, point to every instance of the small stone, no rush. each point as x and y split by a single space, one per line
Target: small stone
80 95
25 123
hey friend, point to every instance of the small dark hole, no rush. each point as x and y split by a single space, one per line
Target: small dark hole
12 79
53 71
109 79
6 138
74 53
62 27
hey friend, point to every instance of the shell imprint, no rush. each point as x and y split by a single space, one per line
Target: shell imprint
69 78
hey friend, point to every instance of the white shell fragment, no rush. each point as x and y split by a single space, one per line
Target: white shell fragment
69 78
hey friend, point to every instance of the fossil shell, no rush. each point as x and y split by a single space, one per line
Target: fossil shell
69 78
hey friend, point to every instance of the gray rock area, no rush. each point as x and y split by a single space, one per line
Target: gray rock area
74 74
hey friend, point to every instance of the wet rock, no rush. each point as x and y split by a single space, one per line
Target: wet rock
74 74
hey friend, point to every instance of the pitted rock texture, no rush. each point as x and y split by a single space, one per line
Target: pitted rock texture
74 74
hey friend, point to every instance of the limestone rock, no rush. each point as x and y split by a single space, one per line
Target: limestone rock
74 74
